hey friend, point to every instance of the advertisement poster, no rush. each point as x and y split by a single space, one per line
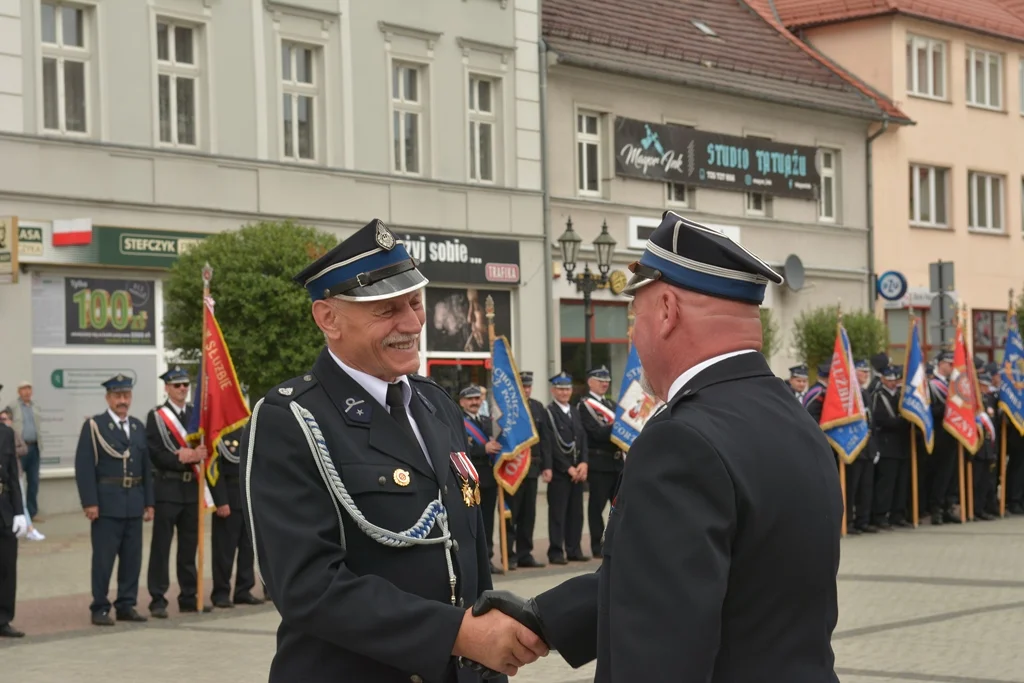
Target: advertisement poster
456 320
108 312
473 260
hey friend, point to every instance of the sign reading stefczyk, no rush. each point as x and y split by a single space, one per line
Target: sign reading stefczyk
677 154
144 248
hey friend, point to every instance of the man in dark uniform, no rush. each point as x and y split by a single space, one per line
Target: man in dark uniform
524 503
13 526
597 414
227 533
880 362
860 474
360 497
722 490
798 381
115 486
566 457
814 399
943 459
986 459
891 433
481 447
177 496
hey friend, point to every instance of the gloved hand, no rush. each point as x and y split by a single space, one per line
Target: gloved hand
521 609
20 527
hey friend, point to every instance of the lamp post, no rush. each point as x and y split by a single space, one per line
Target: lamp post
587 281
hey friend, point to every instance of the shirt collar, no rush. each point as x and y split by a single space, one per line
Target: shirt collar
374 386
682 380
564 408
599 398
113 415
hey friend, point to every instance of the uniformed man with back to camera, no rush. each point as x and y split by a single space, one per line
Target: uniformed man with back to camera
361 499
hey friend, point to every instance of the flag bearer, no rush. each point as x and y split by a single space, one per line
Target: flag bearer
597 414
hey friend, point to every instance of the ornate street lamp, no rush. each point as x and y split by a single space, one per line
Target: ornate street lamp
587 281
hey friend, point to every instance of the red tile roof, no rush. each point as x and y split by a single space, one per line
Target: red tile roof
1003 18
751 54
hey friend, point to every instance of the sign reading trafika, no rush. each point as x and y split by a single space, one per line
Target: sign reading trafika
8 250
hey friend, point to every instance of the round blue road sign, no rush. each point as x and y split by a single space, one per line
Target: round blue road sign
892 285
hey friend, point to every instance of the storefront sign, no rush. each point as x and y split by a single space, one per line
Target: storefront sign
669 153
8 250
30 241
109 312
456 320
144 248
469 260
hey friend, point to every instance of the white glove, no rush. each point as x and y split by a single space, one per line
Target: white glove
20 527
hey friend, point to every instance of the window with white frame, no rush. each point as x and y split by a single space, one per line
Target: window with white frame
482 128
407 116
678 195
926 67
65 52
588 152
757 204
985 201
928 195
299 91
984 78
177 66
828 201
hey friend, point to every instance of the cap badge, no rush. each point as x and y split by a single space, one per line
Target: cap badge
401 477
385 240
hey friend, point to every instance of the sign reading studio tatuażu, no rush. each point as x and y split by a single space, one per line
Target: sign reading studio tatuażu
462 259
677 154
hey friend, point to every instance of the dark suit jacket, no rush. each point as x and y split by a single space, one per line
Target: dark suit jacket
891 430
351 608
722 492
227 491
10 498
537 450
569 429
93 466
602 454
478 453
163 454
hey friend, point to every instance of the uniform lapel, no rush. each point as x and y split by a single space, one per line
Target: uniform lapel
114 433
435 435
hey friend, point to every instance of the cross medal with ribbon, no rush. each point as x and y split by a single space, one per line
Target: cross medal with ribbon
468 474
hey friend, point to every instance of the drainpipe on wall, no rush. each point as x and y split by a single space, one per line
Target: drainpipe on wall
549 303
871 212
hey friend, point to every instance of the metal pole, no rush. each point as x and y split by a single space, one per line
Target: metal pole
588 316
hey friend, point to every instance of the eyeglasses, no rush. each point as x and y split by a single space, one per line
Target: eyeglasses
179 385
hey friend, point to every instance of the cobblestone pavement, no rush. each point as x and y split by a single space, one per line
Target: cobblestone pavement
935 605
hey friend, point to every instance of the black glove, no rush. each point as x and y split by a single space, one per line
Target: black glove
525 611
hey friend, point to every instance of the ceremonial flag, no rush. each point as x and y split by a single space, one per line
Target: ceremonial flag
843 416
915 401
221 409
1011 388
962 402
511 412
635 407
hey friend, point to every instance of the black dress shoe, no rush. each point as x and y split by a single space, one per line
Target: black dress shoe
512 565
497 570
158 612
223 603
985 517
578 558
853 531
529 561
192 609
246 599
885 526
904 524
558 560
130 615
8 631
868 529
936 518
102 619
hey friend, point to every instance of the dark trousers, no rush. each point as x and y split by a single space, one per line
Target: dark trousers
565 516
892 485
943 474
8 575
984 485
1014 473
229 536
524 517
120 539
185 518
30 463
859 483
602 488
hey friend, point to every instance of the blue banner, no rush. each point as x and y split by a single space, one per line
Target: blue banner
511 412
916 399
1011 386
635 406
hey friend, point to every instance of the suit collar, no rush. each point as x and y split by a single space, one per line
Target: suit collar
435 435
685 378
110 427
728 369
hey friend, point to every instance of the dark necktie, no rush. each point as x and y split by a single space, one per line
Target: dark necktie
124 430
396 403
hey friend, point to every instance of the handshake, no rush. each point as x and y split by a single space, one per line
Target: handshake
502 633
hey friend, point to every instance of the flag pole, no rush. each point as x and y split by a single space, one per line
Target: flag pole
960 446
201 562
842 462
1002 439
489 310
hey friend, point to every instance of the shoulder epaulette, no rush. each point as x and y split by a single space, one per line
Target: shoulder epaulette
292 388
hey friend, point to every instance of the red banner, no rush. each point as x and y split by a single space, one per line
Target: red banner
511 472
963 402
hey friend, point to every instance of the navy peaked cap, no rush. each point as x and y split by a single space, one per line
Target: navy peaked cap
472 391
119 382
601 373
798 371
893 372
526 378
824 369
562 379
175 374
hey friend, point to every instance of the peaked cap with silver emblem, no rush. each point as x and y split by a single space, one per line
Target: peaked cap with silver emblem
371 265
691 256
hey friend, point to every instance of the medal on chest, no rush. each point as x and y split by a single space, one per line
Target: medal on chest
470 486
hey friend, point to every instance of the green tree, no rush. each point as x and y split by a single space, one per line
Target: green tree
769 334
263 314
814 334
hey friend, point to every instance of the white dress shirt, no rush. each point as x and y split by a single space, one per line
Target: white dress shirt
681 381
121 422
564 406
378 391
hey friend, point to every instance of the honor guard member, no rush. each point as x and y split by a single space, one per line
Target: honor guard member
986 459
360 497
597 414
891 435
880 362
798 381
177 496
565 454
860 474
115 485
13 525
524 503
722 490
943 459
814 399
228 535
481 446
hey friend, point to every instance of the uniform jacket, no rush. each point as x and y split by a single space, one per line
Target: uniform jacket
163 449
227 490
10 488
351 608
96 469
891 431
478 453
603 455
18 419
563 429
722 490
814 401
537 450
945 443
988 452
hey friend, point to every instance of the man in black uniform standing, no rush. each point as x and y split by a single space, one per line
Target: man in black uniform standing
597 414
943 459
13 526
892 439
360 497
722 490
524 503
565 456
798 381
115 486
177 496
482 446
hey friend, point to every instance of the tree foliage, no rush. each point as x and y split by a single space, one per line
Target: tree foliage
769 334
264 316
814 334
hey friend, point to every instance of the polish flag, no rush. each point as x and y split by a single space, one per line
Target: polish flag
73 232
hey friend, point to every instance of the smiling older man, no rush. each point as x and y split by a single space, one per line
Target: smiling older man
361 500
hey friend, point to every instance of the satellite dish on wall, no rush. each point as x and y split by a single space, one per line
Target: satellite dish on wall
793 271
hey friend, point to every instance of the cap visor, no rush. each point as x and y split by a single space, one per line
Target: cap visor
396 285
635 283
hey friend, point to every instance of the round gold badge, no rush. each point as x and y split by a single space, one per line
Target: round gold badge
401 477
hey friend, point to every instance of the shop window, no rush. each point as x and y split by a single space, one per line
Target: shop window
989 328
898 323
609 342
456 321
